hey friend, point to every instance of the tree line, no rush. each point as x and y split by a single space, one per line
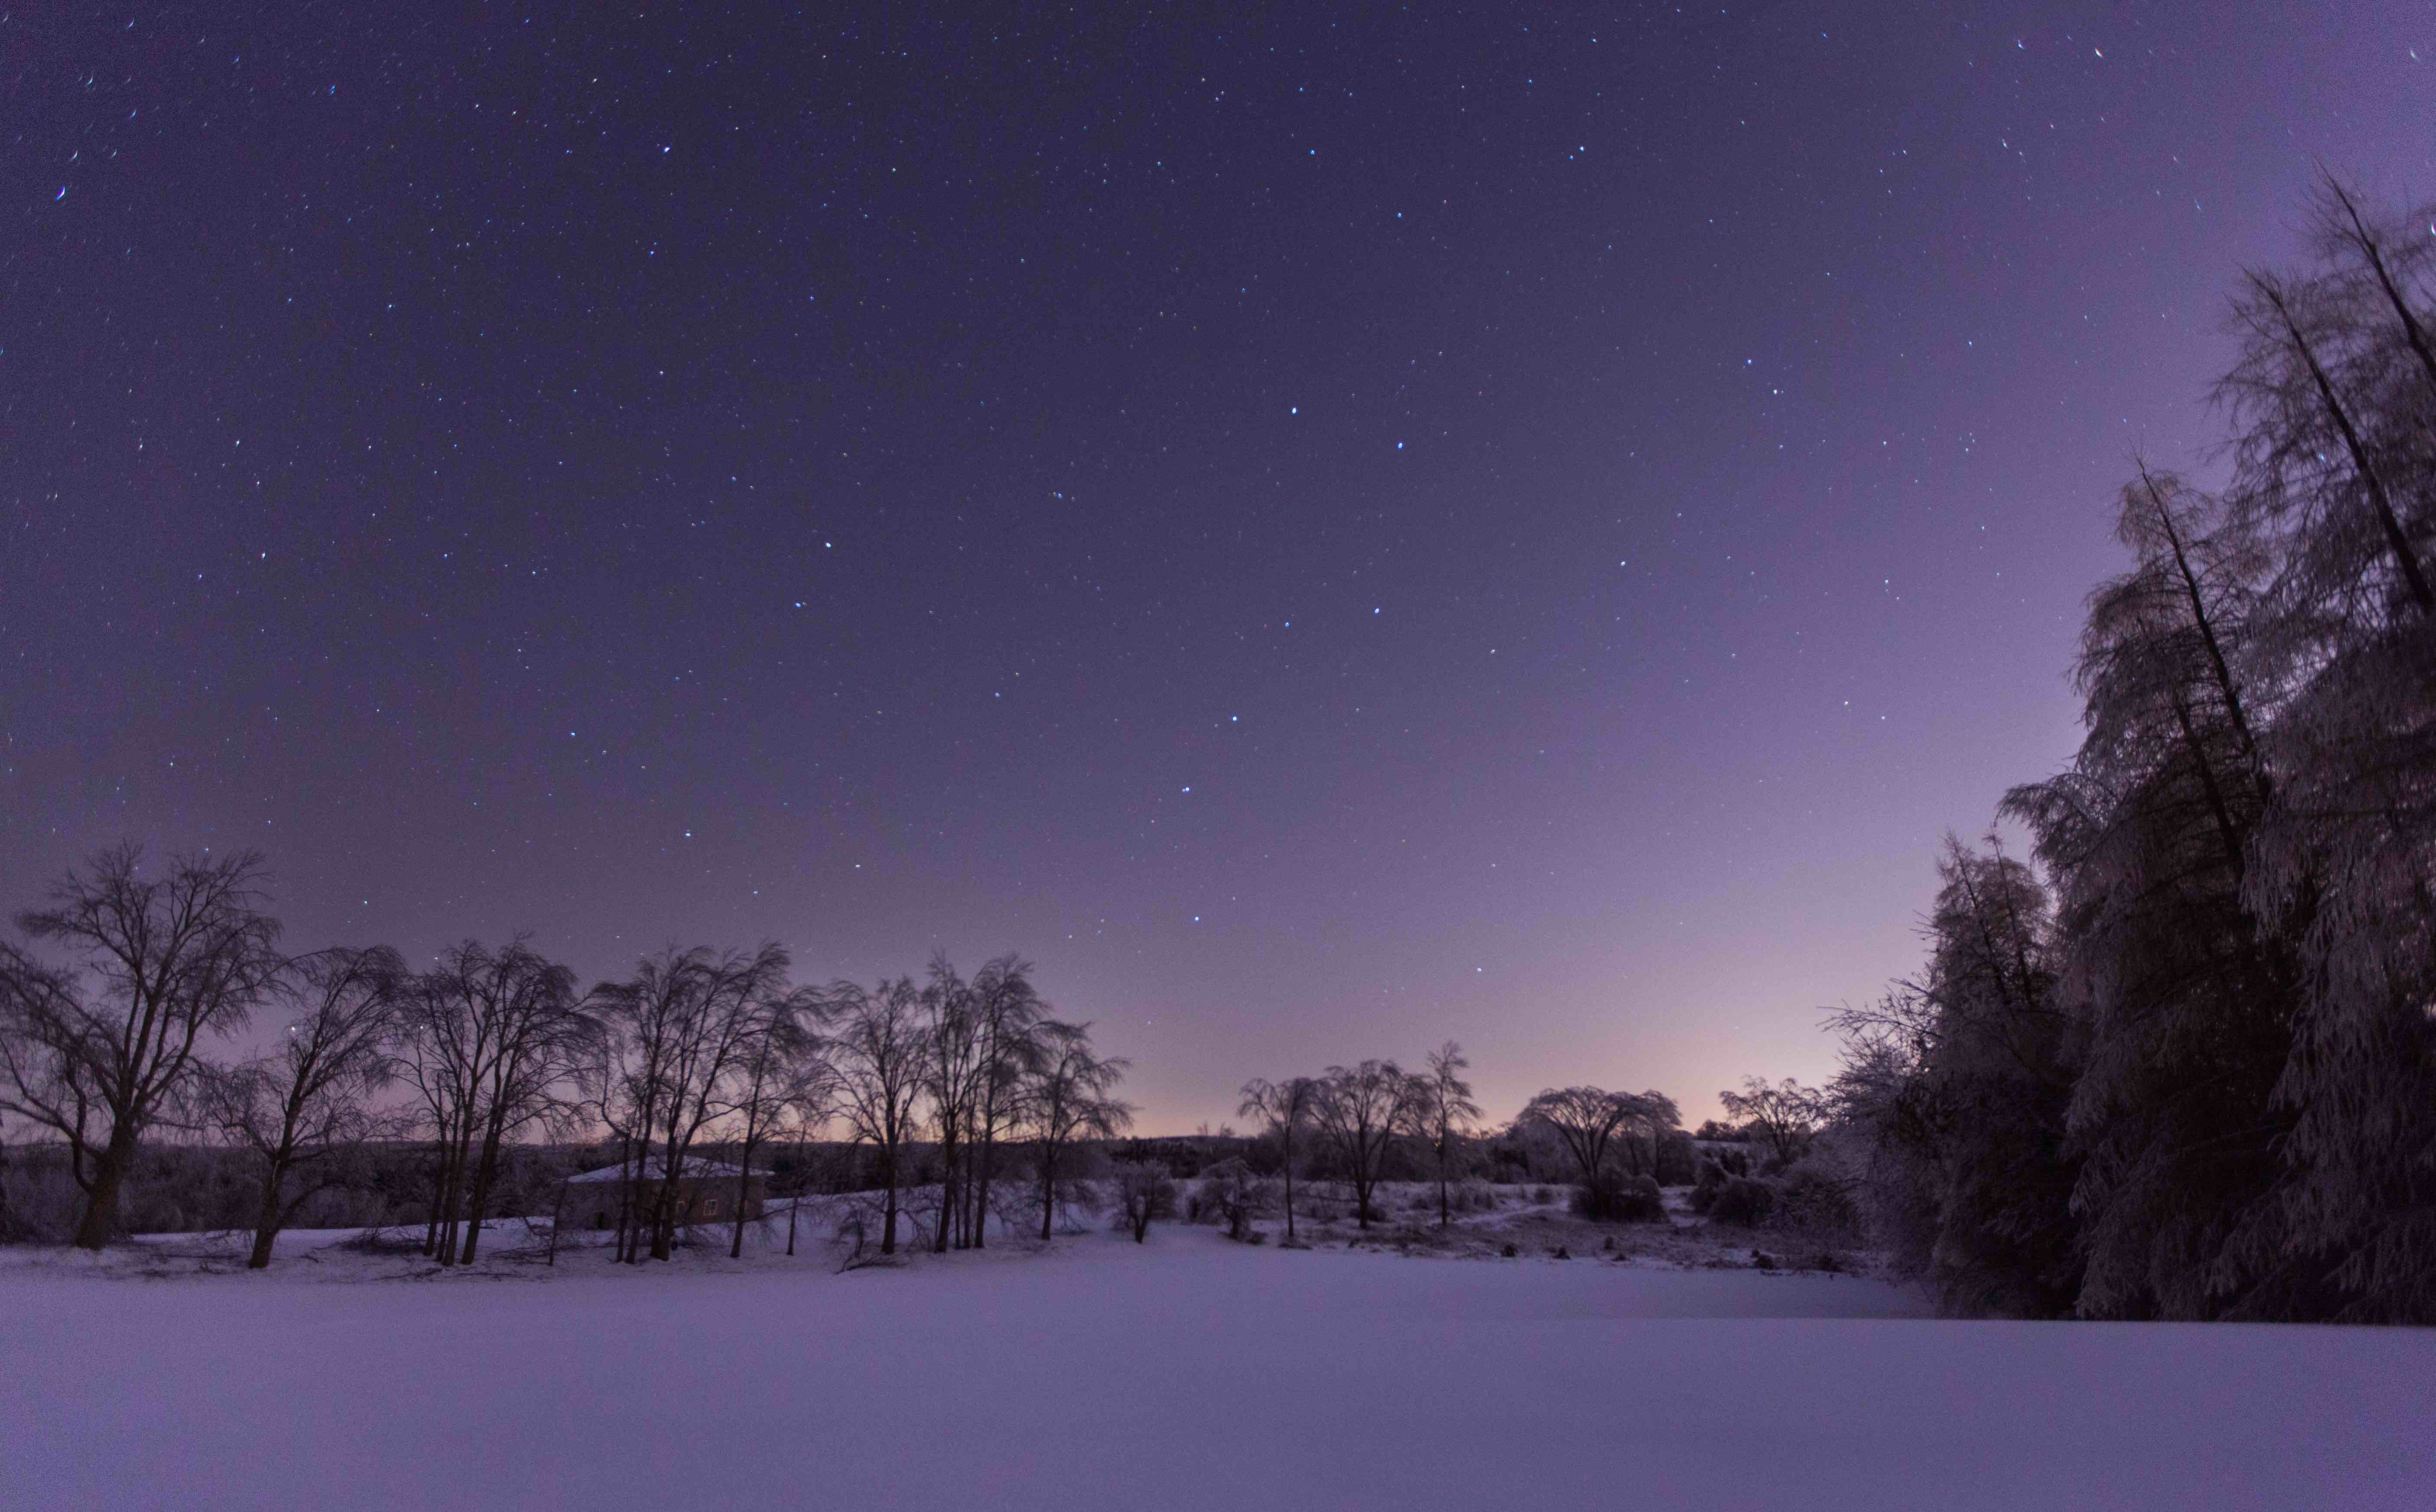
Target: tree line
125 980
1353 1119
2179 1061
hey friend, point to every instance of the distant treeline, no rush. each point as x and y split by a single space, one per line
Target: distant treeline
448 1094
2180 1062
189 1185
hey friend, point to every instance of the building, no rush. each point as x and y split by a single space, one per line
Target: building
707 1192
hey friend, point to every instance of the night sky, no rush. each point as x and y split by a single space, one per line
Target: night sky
1328 534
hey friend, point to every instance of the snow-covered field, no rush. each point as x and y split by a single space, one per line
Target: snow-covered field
1185 1373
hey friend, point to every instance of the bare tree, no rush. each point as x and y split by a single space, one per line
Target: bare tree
97 1049
1144 1190
783 1081
1587 1119
877 1050
1009 1014
952 1036
1786 1115
1069 1095
491 1033
298 1109
440 1059
1654 1117
542 1026
1441 1113
691 1021
1286 1109
1359 1112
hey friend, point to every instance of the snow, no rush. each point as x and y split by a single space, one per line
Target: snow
1186 1373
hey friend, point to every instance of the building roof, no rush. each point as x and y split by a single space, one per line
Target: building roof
696 1168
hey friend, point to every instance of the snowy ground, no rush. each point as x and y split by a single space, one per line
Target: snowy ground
1186 1373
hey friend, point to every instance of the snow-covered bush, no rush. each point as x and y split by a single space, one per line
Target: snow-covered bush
1473 1196
1144 1192
1743 1199
1678 1160
1228 1194
1613 1198
1711 1180
1812 1195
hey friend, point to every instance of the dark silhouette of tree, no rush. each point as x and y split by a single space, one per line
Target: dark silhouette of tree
952 1035
300 1109
490 1034
1442 1113
1069 1094
1786 1115
782 1082
96 1048
1585 1119
1009 1014
877 1052
1144 1190
1285 1107
2181 1001
693 1023
1359 1111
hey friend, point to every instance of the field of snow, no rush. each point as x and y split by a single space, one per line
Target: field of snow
1186 1373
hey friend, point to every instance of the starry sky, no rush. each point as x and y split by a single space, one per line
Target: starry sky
1327 528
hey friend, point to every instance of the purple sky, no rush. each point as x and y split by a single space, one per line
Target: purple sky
1327 535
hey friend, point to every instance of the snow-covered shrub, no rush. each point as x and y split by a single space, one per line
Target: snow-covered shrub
1678 1159
1812 1195
1711 1180
1614 1198
403 1240
1144 1192
1643 1203
1473 1196
1226 1193
1742 1200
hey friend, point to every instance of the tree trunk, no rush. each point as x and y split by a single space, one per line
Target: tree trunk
486 1175
1048 1189
1290 1235
946 1192
2364 469
631 1165
438 1199
980 1195
888 1205
667 1200
266 1226
9 1226
2226 688
744 1188
102 1200
663 1220
452 1191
